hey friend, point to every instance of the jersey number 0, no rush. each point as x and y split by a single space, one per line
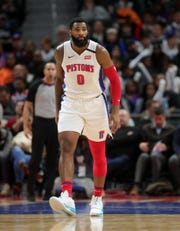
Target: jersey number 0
80 79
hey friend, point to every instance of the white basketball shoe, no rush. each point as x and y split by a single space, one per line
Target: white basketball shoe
64 203
96 206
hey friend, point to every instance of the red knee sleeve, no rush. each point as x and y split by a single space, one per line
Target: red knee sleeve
98 151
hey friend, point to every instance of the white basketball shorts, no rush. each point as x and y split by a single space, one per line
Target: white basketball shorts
87 117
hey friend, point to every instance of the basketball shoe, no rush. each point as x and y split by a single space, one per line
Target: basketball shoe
96 206
64 203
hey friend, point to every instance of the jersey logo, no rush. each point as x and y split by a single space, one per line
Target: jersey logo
87 57
70 56
101 134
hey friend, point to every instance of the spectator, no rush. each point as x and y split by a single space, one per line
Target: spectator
18 46
37 65
144 43
15 124
131 96
5 163
47 51
170 46
174 25
3 56
6 28
147 24
29 50
9 8
156 148
149 93
7 103
172 78
62 34
21 71
6 72
20 90
91 12
98 31
21 155
111 39
125 13
122 150
165 90
159 59
174 161
157 33
147 115
116 54
127 41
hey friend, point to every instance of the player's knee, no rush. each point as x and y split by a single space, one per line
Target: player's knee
66 146
100 169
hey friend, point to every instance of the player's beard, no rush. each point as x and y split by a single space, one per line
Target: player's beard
80 43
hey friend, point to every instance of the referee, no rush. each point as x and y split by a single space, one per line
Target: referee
40 109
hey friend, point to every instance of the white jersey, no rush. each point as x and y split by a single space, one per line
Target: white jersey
82 78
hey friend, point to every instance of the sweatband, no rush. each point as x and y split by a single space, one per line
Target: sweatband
115 86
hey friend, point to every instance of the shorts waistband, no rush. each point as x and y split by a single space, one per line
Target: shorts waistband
84 99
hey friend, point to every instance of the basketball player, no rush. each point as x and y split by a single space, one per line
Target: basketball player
81 109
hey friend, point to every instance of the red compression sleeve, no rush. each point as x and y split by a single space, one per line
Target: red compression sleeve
98 151
115 85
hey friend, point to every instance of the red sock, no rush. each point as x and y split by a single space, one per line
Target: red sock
67 186
98 191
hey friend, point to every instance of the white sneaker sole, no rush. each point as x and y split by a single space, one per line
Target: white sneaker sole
59 207
95 213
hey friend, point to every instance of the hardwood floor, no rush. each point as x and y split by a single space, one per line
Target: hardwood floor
146 214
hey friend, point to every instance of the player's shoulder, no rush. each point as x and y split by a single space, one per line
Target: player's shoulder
62 45
97 47
59 51
100 50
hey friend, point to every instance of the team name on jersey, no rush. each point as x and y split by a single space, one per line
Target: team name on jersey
80 67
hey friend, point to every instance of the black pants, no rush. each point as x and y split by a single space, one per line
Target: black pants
44 133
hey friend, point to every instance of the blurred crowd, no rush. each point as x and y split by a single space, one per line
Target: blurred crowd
143 39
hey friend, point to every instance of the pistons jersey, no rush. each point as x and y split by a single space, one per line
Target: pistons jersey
82 78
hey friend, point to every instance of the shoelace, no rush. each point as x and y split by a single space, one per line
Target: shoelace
95 201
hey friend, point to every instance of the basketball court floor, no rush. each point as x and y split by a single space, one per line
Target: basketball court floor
121 214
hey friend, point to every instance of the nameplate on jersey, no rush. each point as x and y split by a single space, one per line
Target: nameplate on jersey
79 67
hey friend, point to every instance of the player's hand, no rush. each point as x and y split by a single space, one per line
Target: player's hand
114 119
